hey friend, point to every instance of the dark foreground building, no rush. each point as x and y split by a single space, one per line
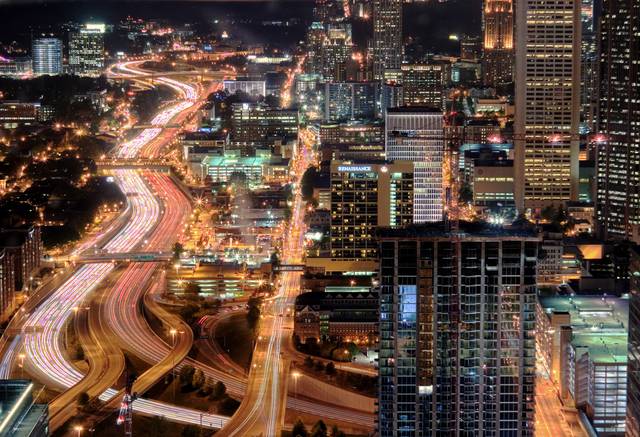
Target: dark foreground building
457 331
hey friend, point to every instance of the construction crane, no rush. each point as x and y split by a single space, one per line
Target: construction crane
126 407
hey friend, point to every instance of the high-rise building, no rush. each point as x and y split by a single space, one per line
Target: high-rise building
497 58
387 37
457 331
416 134
618 197
86 50
633 370
422 85
363 197
470 48
345 101
254 123
589 67
316 35
336 52
46 54
547 113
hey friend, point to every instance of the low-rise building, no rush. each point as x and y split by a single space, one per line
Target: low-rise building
219 280
341 315
582 344
20 415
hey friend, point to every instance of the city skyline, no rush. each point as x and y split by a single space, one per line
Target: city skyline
320 218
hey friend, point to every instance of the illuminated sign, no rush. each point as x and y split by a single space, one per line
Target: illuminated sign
354 168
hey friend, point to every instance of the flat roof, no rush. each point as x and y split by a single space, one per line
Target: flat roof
466 229
599 324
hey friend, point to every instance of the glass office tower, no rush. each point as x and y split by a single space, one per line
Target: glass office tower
47 56
457 331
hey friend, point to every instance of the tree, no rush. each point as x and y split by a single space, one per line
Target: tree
158 426
335 432
228 406
83 398
308 361
319 429
186 374
192 289
198 379
307 183
548 213
299 430
190 431
177 250
330 369
219 391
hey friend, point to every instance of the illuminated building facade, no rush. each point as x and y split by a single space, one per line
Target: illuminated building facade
46 54
633 385
457 331
388 49
363 197
345 101
583 347
497 66
619 121
416 134
422 85
336 52
547 113
589 67
86 50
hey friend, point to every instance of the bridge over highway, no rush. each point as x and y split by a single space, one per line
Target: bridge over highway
201 73
115 257
142 164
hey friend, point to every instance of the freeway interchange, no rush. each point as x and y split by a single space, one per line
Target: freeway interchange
121 267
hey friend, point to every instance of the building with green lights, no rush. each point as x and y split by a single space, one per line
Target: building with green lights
582 345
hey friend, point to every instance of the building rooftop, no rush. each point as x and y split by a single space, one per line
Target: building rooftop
414 109
599 324
466 229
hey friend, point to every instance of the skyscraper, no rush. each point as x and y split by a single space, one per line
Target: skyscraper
86 50
422 84
365 195
547 113
387 37
47 56
416 134
336 51
618 194
633 370
589 66
497 59
457 331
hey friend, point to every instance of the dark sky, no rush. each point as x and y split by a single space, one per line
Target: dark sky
431 22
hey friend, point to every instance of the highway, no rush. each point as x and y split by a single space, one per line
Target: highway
263 406
42 329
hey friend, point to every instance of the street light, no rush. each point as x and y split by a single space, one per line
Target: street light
78 429
173 333
295 375
22 357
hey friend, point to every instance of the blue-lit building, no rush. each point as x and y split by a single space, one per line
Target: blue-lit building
457 331
20 416
47 56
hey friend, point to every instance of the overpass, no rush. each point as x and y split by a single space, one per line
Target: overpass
115 257
141 164
202 73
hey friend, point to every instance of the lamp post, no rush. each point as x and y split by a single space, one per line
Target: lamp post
173 333
295 375
78 429
22 357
